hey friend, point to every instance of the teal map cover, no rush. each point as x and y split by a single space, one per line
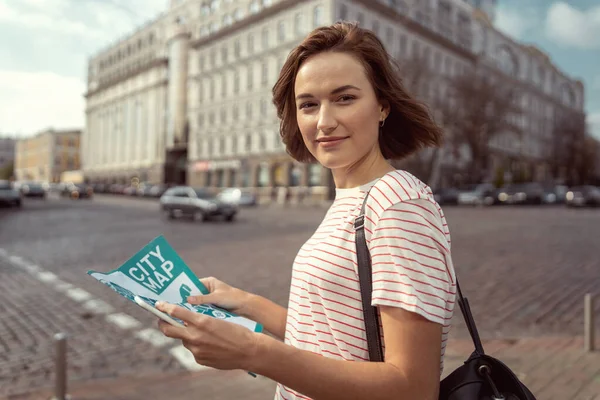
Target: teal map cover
157 273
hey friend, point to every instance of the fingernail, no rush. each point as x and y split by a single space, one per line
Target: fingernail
158 304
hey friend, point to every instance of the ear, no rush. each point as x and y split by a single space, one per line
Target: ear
384 109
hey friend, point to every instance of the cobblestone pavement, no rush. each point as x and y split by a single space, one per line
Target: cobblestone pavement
525 271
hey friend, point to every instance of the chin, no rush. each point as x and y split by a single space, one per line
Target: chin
333 161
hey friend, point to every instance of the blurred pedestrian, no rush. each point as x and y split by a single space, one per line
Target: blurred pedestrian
341 103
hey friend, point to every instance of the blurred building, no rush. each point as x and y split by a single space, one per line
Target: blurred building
547 96
7 152
43 157
187 97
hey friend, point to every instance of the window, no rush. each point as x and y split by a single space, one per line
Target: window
281 31
298 24
262 142
376 27
199 147
205 9
200 93
237 14
224 55
318 16
264 73
360 18
223 86
250 44
343 12
249 78
263 107
236 48
248 142
227 20
389 36
211 118
214 5
222 145
213 27
236 82
402 45
265 38
249 109
201 64
200 119
213 58
223 115
254 7
235 112
212 89
234 144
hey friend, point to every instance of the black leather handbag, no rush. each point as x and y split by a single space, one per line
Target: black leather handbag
481 377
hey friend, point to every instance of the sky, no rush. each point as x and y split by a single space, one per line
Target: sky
45 45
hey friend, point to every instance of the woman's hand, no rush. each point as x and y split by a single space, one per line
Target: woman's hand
224 296
213 342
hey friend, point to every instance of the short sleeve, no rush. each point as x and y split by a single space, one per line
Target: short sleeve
412 265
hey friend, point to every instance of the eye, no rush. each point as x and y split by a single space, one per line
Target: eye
346 98
307 104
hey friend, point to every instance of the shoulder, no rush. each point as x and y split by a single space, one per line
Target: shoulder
397 187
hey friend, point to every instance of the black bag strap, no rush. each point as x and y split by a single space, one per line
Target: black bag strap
365 276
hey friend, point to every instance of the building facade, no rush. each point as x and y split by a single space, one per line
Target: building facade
45 156
187 97
7 152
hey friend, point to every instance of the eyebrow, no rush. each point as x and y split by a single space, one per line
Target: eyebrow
334 91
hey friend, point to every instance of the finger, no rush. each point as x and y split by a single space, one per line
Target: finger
182 313
209 283
203 299
175 332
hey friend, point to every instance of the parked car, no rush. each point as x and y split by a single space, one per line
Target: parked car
237 197
476 195
520 193
78 191
582 196
33 189
9 196
446 196
555 194
195 203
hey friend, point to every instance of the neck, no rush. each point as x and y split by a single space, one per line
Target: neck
371 167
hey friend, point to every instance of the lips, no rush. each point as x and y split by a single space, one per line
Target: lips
331 139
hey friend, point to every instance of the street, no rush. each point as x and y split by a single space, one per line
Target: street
525 271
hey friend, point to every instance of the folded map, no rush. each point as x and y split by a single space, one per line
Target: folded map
157 273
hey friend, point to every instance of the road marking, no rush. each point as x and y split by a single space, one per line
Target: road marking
154 337
98 306
78 294
186 358
123 321
46 276
62 286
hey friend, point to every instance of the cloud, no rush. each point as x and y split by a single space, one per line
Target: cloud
517 21
32 101
570 26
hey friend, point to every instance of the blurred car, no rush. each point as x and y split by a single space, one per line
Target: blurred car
446 196
555 194
520 193
33 189
195 203
476 195
78 191
157 190
583 196
9 196
237 197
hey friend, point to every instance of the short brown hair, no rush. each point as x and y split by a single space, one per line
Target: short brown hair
409 125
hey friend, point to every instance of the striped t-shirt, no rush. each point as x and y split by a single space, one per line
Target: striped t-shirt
409 242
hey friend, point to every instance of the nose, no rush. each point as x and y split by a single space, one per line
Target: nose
327 121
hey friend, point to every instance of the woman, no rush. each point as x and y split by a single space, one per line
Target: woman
341 103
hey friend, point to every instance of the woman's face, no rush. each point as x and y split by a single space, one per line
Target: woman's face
337 111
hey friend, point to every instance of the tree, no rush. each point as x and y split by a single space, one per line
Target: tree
567 150
481 107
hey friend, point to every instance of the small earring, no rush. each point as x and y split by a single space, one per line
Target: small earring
381 123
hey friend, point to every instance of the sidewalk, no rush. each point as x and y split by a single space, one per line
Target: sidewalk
554 368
